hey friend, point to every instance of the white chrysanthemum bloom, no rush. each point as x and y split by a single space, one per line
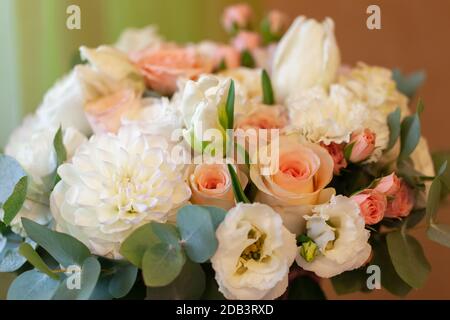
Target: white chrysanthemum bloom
339 232
375 87
31 145
326 117
115 184
254 254
133 39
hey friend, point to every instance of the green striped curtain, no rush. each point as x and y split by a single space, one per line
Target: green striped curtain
37 48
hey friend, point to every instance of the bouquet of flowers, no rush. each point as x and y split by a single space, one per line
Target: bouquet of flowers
247 170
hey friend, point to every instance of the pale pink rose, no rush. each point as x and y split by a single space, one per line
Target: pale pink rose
402 202
336 152
372 205
264 117
238 15
162 67
246 40
388 185
105 114
211 185
363 145
278 22
304 170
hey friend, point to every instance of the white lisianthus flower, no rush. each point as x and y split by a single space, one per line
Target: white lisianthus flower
326 117
254 254
31 145
133 39
306 56
115 184
339 232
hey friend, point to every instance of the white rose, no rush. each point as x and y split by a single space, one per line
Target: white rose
326 117
248 86
306 56
254 254
133 39
115 184
339 232
31 145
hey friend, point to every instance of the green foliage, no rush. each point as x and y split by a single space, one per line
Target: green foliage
122 280
305 288
348 151
134 247
394 124
13 187
10 258
349 281
229 106
408 258
409 135
64 248
268 97
33 257
61 155
438 159
247 59
189 285
408 84
237 188
32 285
439 233
197 233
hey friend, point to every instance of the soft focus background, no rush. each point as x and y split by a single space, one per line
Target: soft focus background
37 49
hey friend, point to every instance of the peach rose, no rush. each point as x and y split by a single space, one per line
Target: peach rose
372 205
363 145
299 171
264 117
246 40
105 114
402 202
237 16
162 67
388 185
211 185
336 152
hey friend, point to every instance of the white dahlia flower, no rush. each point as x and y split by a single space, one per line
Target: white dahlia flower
339 232
113 185
31 144
254 254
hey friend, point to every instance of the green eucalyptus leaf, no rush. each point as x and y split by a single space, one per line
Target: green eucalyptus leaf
305 288
64 248
188 285
433 201
349 281
197 233
135 245
32 285
33 257
90 273
408 85
10 258
408 258
217 215
61 156
394 123
162 263
439 233
268 97
439 158
420 107
390 280
409 135
237 188
122 280
13 187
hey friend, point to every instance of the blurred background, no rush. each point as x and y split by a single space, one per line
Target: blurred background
37 49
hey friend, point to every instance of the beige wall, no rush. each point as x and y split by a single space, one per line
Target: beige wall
415 35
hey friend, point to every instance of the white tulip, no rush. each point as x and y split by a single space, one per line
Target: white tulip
306 56
254 254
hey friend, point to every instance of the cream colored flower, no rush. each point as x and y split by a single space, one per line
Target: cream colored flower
248 86
254 254
113 185
306 56
339 232
133 39
31 145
